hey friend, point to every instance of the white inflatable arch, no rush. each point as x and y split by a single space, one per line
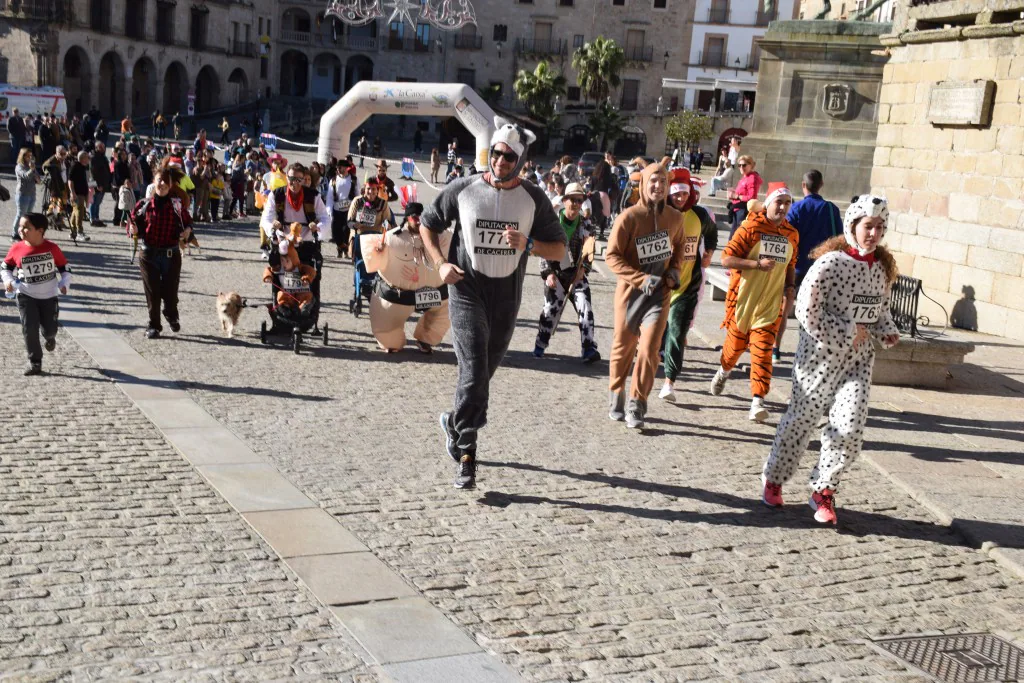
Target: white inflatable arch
411 99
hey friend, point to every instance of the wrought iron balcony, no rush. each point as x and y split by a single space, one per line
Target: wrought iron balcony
640 54
241 48
46 10
406 44
465 41
542 46
718 15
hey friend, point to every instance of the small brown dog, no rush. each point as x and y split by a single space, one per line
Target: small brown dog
229 307
186 245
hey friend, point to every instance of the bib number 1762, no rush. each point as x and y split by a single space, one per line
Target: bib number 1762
653 248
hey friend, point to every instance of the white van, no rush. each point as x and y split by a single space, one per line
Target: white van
46 100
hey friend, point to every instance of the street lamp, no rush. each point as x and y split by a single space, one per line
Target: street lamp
666 59
558 105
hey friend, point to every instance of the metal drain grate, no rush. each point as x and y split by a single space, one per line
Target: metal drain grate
967 658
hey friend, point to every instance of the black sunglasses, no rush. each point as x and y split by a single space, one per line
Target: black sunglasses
510 157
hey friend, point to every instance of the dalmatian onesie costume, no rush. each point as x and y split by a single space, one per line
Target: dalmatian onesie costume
844 288
484 305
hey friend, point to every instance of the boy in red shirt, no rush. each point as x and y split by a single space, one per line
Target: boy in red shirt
35 270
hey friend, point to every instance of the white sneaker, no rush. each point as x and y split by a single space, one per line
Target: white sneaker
667 393
758 413
718 381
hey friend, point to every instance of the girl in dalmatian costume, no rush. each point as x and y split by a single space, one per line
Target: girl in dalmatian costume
842 307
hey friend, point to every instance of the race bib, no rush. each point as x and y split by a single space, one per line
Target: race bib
367 217
774 247
427 298
344 204
292 282
489 238
38 268
865 309
653 248
690 248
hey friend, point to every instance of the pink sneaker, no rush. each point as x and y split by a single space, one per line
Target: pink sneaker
824 506
772 494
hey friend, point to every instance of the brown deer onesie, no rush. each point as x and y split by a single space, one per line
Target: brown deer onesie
646 247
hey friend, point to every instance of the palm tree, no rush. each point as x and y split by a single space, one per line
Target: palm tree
606 123
538 89
597 66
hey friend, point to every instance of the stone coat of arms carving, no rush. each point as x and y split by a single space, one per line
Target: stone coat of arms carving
835 99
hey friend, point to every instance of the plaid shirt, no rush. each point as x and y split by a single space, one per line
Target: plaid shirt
161 221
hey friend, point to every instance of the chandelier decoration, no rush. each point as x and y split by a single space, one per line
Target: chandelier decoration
447 15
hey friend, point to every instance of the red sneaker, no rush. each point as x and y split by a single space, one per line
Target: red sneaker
824 506
771 495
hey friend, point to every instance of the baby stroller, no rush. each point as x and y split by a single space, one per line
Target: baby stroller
295 320
363 282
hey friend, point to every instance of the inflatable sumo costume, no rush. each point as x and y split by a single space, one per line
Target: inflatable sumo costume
406 284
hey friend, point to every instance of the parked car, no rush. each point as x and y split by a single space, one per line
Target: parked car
587 162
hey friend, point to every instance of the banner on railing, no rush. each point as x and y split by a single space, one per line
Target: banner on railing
269 141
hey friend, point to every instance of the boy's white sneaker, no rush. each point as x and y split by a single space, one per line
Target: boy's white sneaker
718 381
667 393
758 413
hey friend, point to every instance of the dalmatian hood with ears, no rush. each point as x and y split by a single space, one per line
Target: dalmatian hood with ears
517 138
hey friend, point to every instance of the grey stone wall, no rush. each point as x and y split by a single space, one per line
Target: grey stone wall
792 131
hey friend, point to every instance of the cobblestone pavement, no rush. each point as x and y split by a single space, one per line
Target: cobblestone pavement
587 552
117 560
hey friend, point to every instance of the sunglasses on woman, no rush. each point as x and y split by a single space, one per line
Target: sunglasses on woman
510 157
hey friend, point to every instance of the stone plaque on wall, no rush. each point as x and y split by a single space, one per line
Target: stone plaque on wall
961 103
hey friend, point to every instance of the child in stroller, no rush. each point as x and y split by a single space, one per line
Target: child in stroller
294 274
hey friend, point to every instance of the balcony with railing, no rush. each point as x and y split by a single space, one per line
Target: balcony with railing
406 44
241 48
639 53
542 46
45 10
347 42
717 15
721 60
724 15
465 41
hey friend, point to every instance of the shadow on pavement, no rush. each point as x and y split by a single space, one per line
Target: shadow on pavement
749 512
1008 430
125 378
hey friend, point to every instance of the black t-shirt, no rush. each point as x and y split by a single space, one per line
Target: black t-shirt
79 177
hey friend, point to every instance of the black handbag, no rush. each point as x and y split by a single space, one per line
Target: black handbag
5 194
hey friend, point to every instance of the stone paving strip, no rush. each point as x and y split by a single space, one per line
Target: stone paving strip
398 630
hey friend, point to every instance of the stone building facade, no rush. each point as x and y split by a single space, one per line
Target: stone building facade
134 56
950 159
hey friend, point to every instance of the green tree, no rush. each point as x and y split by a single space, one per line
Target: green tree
689 128
538 89
606 124
597 66
490 94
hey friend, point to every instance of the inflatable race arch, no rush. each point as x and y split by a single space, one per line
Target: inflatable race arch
411 99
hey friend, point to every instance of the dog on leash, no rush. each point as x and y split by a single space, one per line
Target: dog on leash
186 245
229 308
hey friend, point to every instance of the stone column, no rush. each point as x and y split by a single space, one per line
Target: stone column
129 95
